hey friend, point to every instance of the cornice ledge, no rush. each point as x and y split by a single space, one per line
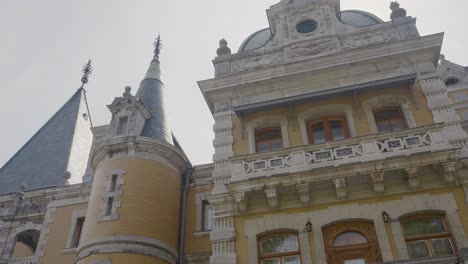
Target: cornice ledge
143 147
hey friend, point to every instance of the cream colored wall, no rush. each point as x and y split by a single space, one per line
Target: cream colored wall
194 245
22 251
422 115
242 237
149 206
58 232
460 107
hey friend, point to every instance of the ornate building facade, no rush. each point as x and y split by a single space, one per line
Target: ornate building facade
339 138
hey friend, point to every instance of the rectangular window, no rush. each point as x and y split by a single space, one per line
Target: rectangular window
268 139
389 119
110 203
77 232
113 184
207 216
327 129
122 125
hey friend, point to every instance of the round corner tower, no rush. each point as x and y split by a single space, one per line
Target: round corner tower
134 206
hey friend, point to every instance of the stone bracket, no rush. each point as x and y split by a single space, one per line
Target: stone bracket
449 172
241 202
304 192
340 185
378 181
414 181
272 197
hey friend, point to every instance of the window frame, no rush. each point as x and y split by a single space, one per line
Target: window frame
282 254
326 127
77 232
270 140
205 205
427 238
382 109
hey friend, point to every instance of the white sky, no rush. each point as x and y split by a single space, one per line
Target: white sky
44 45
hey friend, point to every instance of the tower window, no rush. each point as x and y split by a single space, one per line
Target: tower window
389 119
77 232
113 185
307 26
327 129
428 235
110 203
268 139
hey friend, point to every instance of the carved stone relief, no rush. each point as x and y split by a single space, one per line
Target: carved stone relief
313 48
365 40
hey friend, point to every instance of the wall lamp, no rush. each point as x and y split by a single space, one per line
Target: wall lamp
308 226
386 217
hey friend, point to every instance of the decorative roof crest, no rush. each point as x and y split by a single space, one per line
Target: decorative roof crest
157 45
87 70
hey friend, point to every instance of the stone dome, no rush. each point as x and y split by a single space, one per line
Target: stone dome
355 18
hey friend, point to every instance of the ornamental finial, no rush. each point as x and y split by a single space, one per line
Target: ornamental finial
87 70
397 11
157 46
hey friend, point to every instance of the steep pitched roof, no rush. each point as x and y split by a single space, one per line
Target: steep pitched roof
44 159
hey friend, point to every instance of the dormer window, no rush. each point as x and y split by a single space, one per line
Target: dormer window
122 125
451 81
389 119
268 139
327 129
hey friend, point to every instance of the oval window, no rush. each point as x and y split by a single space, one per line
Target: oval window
307 26
451 81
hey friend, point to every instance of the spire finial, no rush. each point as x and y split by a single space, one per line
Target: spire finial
157 45
87 70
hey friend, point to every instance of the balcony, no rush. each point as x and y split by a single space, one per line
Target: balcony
28 260
376 147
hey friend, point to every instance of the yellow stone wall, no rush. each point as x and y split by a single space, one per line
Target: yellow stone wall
242 241
55 250
194 245
422 115
149 206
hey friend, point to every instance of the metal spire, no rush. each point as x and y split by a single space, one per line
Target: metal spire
87 70
157 45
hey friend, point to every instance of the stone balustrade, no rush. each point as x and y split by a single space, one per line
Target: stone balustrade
343 152
27 260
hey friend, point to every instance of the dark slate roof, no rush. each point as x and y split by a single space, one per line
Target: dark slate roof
152 94
42 161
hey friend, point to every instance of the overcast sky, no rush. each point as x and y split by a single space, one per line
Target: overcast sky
46 43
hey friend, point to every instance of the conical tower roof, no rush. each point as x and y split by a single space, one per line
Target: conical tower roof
53 151
152 94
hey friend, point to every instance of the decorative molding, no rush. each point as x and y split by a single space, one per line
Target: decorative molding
378 181
241 202
128 244
414 181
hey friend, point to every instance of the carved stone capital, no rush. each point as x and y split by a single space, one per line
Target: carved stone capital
304 191
413 177
241 202
272 197
340 185
378 181
450 172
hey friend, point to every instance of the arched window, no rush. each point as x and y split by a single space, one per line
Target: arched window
389 119
351 242
26 243
428 235
279 248
268 139
327 129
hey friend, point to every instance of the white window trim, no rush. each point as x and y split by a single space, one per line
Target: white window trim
264 122
387 101
116 194
324 111
71 231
